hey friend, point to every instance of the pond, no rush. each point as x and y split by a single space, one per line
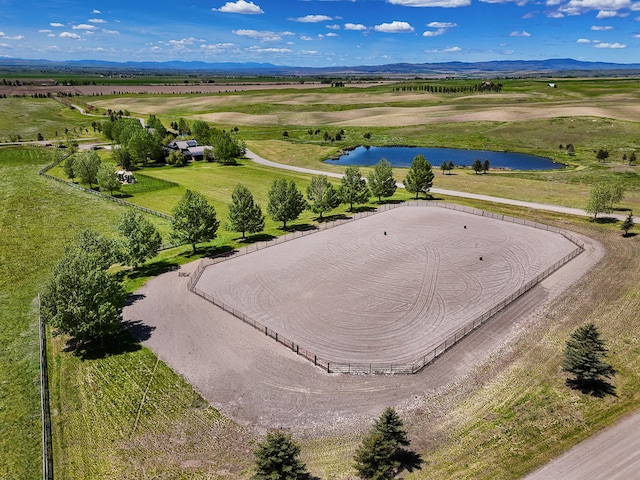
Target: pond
403 156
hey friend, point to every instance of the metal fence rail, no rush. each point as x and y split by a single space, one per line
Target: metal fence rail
384 368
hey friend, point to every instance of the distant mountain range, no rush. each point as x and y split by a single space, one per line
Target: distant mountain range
551 67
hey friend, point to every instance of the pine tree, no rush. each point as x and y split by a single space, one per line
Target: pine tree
245 216
381 181
584 356
277 458
391 427
374 458
627 224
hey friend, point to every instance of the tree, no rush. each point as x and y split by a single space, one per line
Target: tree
194 220
391 427
68 169
420 176
201 132
107 180
183 127
485 166
176 158
599 200
381 181
141 239
277 458
286 203
353 188
86 166
82 299
244 214
322 195
584 356
121 157
616 192
374 458
627 224
602 154
477 165
632 158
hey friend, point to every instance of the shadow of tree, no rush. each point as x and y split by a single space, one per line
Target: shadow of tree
362 208
629 234
258 237
210 251
595 388
299 227
332 218
605 220
153 269
120 342
409 460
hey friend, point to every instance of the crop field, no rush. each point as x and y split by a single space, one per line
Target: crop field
507 414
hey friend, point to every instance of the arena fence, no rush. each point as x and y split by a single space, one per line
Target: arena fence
384 368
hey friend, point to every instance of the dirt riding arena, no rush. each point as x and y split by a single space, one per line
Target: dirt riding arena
385 289
354 294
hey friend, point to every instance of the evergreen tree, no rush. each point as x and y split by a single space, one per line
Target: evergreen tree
141 239
381 181
485 166
374 458
277 459
286 203
322 195
627 224
194 220
353 188
391 427
584 356
244 214
420 176
477 165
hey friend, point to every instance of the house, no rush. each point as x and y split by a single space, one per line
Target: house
189 148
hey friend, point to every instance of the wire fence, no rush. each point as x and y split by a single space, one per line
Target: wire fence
47 442
383 368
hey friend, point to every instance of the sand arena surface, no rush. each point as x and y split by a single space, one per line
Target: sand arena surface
353 294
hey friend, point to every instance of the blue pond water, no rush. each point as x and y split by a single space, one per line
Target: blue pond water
403 156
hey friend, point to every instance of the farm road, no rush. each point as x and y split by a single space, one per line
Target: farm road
487 198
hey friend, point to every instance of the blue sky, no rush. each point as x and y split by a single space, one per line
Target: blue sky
321 32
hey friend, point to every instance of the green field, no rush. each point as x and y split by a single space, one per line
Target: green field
128 413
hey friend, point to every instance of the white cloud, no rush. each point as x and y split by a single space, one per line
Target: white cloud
583 40
578 7
69 35
217 47
610 14
312 19
603 28
270 50
556 15
96 12
306 38
183 42
333 27
332 34
57 24
445 50
110 32
15 37
241 6
434 33
83 26
44 30
520 34
262 35
354 26
394 27
610 45
97 20
431 3
442 25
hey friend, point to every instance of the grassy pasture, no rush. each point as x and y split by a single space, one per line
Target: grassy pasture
511 415
29 116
